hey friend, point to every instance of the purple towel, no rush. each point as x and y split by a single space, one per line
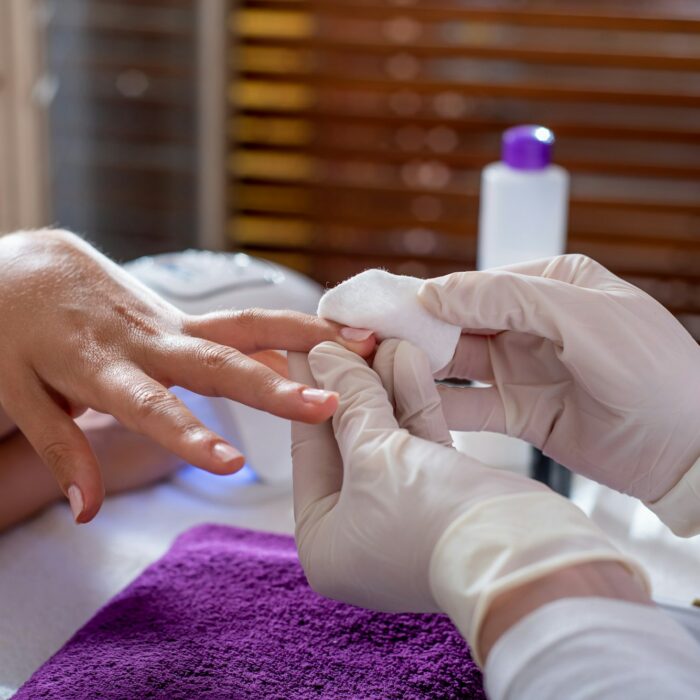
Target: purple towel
227 613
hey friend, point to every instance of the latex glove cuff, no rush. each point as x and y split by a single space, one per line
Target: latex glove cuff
487 551
679 508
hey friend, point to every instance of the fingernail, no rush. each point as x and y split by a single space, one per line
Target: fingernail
356 335
225 452
75 498
316 395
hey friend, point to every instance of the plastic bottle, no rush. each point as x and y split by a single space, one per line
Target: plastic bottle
524 199
522 216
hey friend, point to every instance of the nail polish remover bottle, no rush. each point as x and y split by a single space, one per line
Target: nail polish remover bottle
524 199
522 216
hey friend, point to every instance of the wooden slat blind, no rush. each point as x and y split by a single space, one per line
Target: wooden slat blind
123 122
358 129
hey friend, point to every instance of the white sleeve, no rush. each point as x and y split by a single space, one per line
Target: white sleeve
594 649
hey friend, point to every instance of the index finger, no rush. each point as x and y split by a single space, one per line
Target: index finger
364 417
501 300
547 297
317 465
252 330
217 370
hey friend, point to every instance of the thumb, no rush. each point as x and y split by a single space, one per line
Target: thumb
501 300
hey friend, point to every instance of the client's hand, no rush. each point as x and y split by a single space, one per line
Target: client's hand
582 364
78 331
392 517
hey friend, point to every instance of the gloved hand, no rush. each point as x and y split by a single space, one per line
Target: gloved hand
391 517
583 365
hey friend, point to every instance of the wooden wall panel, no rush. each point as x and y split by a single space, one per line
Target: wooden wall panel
358 130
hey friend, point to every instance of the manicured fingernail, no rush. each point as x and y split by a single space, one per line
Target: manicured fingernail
316 395
225 452
355 335
75 498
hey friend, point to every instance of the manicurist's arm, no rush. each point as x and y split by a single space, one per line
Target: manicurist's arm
389 516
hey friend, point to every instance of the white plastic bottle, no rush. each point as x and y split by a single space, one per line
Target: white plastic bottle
522 216
524 197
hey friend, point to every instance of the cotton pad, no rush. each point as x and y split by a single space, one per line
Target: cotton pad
388 305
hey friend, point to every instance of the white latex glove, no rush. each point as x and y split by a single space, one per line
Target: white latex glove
408 523
587 367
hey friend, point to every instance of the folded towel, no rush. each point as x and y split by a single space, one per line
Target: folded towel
227 613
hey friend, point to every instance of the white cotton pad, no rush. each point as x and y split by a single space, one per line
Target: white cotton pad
388 305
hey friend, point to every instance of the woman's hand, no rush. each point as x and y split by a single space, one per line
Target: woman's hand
585 366
79 332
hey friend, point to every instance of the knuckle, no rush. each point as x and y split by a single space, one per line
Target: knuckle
270 385
216 357
149 402
193 431
249 319
576 258
58 455
579 262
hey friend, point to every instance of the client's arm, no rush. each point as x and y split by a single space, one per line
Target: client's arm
129 461
403 522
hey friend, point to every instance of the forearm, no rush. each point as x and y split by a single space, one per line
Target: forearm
594 649
510 554
601 579
26 485
589 632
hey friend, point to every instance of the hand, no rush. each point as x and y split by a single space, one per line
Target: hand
585 366
390 516
78 331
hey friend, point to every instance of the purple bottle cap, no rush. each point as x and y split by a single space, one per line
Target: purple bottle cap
527 147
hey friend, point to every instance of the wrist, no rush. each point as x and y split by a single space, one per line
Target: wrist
507 542
679 508
599 579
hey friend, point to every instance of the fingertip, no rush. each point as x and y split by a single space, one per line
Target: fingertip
364 348
228 468
84 503
317 397
228 460
328 348
360 340
318 405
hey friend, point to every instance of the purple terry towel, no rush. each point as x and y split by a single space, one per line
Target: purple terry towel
227 613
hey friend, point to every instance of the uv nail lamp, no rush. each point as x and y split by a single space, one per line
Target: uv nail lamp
200 281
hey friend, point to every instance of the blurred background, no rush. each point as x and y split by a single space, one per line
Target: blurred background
335 135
